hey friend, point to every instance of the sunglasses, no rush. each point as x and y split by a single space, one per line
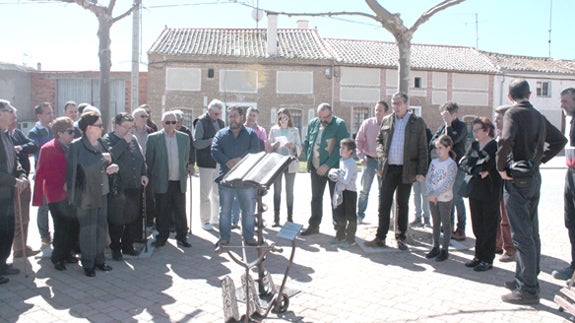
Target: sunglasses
143 116
69 131
170 122
284 118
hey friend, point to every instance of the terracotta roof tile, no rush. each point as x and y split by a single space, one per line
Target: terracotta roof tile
434 57
530 64
306 44
292 43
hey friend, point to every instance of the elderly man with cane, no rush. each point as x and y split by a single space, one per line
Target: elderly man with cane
12 178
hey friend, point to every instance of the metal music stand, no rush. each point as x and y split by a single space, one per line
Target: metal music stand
257 171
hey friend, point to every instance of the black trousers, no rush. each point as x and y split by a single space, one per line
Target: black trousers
393 184
173 201
317 189
123 227
485 217
569 214
6 229
345 217
66 229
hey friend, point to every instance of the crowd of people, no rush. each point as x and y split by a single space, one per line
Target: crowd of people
104 189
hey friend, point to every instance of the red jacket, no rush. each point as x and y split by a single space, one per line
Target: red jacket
50 178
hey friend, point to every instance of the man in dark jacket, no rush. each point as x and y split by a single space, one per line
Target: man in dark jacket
402 159
523 125
457 131
205 128
23 146
12 181
568 106
41 134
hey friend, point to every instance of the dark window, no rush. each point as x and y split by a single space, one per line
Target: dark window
210 73
417 83
544 89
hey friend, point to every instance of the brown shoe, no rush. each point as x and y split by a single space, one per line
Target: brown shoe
375 243
458 236
47 239
505 257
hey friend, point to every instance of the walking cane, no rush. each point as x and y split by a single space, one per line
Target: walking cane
145 222
190 227
22 233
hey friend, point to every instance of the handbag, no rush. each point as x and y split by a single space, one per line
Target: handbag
522 171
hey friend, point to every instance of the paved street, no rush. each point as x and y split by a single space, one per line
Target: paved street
353 285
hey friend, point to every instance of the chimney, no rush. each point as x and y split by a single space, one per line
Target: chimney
39 66
272 34
303 24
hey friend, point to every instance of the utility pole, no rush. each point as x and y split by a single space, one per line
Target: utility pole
135 57
476 31
550 12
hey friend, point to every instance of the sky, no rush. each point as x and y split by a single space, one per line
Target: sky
62 37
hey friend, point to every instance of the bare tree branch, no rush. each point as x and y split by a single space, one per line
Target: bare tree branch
111 6
426 15
129 11
391 22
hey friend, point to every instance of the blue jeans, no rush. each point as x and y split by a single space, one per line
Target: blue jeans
421 202
521 207
246 199
366 179
458 203
235 210
42 219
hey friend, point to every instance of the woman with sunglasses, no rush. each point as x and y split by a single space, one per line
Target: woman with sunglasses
89 165
51 182
284 139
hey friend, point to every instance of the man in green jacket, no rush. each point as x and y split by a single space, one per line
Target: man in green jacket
321 147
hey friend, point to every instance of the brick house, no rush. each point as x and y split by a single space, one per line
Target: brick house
190 66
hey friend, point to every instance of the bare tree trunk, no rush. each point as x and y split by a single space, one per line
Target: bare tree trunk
104 53
404 64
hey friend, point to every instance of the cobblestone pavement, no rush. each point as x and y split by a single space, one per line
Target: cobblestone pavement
335 285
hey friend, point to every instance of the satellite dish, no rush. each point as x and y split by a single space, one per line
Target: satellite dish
257 14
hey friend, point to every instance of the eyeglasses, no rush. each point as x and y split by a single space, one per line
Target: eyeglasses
143 116
170 122
7 110
284 118
99 125
69 131
476 130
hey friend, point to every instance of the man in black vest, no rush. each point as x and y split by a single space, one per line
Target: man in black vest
205 128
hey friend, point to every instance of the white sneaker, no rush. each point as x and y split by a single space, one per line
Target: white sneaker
207 227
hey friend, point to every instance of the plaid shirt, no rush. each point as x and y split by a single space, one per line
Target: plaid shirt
395 156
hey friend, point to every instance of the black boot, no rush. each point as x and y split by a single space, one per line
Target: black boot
443 255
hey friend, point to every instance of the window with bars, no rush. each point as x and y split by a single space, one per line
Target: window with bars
189 115
544 89
358 114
